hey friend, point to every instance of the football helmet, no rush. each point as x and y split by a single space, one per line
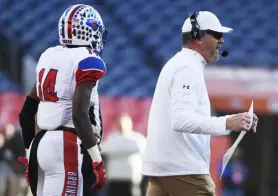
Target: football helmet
82 25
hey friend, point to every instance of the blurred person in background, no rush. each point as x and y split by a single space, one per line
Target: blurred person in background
123 154
11 176
234 176
180 126
64 154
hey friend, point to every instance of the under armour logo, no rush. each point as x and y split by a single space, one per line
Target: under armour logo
184 86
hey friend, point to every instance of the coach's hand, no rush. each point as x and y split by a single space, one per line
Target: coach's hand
240 122
24 161
100 175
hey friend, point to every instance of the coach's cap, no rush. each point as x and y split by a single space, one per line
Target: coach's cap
206 21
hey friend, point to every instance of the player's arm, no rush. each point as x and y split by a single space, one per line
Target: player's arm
183 104
81 120
88 72
27 116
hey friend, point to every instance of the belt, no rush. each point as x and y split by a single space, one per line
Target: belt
63 128
72 130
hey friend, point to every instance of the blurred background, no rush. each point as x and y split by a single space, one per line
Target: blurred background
143 35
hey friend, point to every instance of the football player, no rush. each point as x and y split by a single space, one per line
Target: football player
65 102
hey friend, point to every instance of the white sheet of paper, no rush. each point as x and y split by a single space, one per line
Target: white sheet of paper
231 150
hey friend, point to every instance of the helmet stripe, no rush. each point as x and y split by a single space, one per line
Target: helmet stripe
63 21
68 10
70 21
63 30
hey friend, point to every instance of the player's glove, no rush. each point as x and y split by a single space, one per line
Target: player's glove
24 161
99 171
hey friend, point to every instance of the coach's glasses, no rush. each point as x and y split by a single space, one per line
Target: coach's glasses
214 34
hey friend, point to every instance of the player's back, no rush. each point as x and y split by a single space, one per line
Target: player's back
58 71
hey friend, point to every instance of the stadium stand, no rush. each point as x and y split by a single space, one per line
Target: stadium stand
139 44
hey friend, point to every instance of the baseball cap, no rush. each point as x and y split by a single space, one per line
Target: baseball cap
207 21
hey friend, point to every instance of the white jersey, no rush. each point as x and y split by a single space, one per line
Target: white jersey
59 71
180 124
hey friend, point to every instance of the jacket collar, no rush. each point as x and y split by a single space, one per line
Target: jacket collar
196 54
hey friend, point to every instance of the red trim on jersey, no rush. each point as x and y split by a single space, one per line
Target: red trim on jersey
90 50
70 164
88 76
70 21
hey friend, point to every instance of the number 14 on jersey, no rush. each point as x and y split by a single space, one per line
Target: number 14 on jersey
46 87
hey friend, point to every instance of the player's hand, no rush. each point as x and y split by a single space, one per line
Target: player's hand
24 161
99 171
255 122
239 122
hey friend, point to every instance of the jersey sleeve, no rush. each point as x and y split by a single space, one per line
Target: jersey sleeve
90 69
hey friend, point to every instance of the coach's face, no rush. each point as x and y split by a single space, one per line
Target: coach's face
212 41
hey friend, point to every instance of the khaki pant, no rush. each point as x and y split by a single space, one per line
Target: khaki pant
188 185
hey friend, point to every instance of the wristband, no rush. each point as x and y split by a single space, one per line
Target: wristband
95 154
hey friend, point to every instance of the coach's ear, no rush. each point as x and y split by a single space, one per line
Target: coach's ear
199 41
